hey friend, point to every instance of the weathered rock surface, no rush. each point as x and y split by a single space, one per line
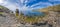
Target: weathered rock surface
9 20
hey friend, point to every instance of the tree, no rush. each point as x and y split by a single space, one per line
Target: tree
17 12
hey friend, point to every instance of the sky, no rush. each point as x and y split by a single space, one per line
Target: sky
28 4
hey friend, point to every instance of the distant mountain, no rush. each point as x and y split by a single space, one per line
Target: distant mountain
50 8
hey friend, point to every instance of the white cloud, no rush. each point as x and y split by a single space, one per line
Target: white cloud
54 0
1 1
21 1
42 3
11 7
7 4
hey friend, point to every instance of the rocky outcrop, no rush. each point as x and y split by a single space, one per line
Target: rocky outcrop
8 19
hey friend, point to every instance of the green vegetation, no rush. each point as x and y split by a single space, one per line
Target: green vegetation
50 8
56 8
37 19
46 10
3 9
17 12
1 12
29 19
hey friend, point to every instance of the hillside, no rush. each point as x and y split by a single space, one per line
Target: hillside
50 8
7 18
2 8
53 15
51 19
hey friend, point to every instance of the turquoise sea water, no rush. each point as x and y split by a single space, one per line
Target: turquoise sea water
31 13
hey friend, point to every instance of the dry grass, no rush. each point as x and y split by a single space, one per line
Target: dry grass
29 20
1 12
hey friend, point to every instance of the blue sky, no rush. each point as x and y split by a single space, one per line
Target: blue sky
28 4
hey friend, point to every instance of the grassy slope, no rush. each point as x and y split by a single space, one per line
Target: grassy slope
4 9
40 18
51 8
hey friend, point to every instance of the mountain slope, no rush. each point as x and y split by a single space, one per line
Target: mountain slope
7 18
53 15
2 8
50 8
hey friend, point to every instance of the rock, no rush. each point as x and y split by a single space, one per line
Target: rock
39 24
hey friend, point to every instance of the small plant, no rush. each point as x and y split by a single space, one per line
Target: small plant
29 19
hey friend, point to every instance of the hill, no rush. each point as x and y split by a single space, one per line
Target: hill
7 19
4 9
50 8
